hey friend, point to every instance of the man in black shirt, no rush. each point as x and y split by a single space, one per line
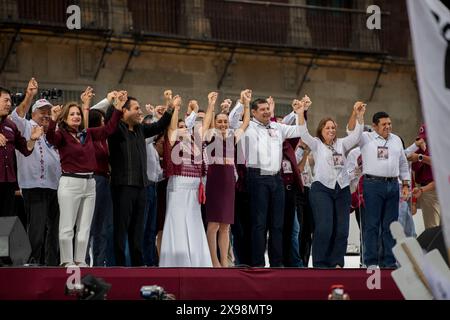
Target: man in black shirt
128 159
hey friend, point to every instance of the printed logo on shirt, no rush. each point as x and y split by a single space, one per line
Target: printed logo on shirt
287 167
383 153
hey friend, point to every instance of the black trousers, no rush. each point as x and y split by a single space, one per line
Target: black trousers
7 190
42 211
307 225
266 196
290 204
128 208
241 229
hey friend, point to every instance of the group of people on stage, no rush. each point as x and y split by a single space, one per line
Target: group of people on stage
108 185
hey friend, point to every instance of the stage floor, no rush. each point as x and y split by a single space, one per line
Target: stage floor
202 283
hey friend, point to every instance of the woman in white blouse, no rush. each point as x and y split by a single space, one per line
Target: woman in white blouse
330 193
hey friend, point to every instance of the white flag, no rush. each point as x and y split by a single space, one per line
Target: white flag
430 29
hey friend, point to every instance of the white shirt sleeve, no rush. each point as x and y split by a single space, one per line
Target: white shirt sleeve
236 115
102 106
290 119
353 138
20 122
290 131
310 141
190 120
405 174
411 149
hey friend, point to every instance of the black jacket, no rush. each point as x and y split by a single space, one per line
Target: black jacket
123 167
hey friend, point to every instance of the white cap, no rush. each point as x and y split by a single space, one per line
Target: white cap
39 104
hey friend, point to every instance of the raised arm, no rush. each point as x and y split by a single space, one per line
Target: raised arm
101 133
24 106
208 119
104 104
86 98
310 141
354 137
54 136
236 113
173 127
246 97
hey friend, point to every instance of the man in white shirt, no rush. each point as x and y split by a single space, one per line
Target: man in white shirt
38 176
262 145
384 161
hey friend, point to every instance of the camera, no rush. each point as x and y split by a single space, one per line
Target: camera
51 94
90 288
17 98
155 293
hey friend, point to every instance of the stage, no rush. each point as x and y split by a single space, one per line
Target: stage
201 283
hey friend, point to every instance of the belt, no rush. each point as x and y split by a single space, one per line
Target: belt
390 179
77 175
263 172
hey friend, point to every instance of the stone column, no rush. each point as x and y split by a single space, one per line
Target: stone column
197 25
120 18
299 33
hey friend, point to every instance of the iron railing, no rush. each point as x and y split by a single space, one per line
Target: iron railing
276 23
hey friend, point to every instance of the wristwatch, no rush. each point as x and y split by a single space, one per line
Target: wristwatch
420 157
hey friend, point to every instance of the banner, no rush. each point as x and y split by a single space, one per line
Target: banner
430 31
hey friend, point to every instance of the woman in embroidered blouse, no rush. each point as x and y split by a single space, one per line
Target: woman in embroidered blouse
184 241
76 190
330 193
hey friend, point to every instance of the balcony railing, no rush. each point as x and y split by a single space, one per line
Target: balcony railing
277 23
258 23
53 13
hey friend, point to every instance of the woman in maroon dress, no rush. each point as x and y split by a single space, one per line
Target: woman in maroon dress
220 181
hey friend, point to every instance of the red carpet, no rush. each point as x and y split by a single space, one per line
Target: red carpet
200 283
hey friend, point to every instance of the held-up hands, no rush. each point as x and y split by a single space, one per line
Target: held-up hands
86 97
55 112
307 102
32 88
246 96
359 108
212 98
120 99
271 103
193 105
176 102
225 106
168 96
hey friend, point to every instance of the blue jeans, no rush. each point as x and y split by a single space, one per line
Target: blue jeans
295 238
102 223
266 196
331 211
405 218
149 246
381 209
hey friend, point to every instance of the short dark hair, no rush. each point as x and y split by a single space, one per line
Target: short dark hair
127 104
379 115
4 90
256 102
95 118
201 110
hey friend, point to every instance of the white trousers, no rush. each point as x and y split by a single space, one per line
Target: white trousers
76 199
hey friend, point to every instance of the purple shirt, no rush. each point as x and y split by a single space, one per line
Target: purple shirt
77 157
423 173
7 156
